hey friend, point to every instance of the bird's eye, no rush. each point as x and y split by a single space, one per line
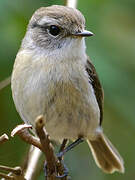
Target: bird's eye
54 30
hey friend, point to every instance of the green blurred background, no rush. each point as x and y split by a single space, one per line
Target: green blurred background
112 50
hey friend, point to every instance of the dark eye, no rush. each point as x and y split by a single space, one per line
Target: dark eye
54 30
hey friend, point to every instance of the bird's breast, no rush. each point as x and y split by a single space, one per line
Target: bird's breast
62 93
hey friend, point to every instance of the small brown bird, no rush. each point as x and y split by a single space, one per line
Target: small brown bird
53 76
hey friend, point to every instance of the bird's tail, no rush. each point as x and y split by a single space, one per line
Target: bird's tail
105 154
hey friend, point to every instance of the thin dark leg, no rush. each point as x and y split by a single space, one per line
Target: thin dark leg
63 150
71 146
63 145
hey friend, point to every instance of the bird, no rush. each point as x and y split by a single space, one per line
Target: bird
53 76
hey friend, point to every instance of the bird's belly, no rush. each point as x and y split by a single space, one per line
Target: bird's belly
70 115
69 107
69 111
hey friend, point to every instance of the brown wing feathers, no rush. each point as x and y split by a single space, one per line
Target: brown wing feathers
94 80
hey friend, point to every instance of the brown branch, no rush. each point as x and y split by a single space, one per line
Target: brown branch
5 82
45 141
3 138
47 146
54 166
23 133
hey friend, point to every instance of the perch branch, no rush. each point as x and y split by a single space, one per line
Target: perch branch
5 82
54 167
48 149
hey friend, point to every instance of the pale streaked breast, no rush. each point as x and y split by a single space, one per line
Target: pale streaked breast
62 93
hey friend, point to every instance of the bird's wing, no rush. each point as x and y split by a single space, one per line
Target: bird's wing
94 80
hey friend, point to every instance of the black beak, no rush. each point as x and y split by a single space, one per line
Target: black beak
83 34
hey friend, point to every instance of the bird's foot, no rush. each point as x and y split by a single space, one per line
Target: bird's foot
60 172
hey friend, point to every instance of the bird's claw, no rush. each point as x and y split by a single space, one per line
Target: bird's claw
65 171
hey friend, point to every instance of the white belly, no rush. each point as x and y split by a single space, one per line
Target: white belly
65 98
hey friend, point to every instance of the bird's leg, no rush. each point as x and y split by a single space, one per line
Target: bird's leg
65 169
63 150
62 169
62 147
68 148
61 153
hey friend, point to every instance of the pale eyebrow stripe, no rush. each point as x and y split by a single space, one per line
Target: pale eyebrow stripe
45 20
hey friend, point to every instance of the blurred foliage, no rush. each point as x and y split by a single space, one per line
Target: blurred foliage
112 50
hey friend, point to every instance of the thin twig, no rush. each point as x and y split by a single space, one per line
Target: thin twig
28 163
15 173
22 132
32 163
5 82
3 138
6 176
71 3
15 170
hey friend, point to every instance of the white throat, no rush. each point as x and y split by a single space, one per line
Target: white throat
72 50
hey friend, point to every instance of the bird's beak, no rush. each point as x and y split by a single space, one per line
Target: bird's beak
84 33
